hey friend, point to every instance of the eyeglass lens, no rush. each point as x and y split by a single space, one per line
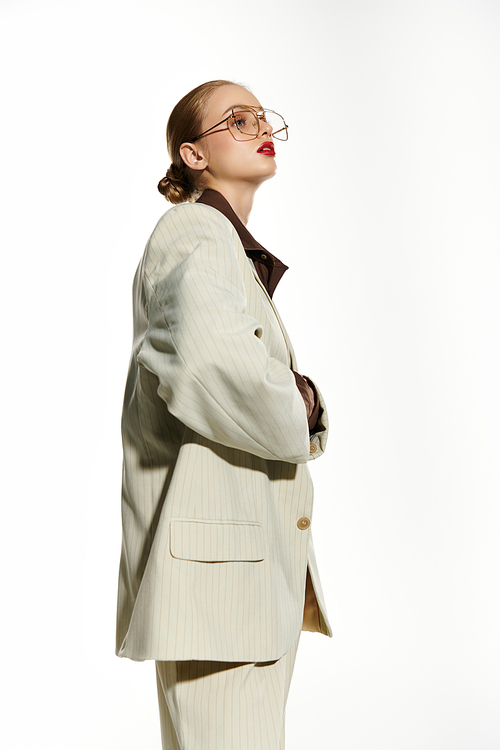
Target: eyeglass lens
245 122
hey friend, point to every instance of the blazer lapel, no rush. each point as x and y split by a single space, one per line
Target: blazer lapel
293 361
245 262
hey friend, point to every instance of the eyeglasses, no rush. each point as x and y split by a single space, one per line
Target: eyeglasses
244 124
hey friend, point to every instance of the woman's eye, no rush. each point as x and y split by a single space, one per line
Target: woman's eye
239 120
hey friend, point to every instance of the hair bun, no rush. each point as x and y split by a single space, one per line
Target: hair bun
177 186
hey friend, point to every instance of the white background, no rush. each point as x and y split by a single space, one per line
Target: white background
386 209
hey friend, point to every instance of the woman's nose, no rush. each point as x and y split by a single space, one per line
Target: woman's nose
265 127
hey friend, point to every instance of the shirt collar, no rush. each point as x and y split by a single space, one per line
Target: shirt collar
269 268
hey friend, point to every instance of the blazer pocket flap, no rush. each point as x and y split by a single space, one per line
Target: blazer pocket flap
216 541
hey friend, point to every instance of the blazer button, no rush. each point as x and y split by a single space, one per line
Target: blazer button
303 523
313 447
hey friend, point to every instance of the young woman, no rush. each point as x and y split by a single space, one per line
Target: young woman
217 575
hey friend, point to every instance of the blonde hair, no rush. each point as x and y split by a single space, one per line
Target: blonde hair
184 124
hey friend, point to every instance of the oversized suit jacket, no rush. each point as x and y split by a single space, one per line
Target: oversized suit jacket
217 497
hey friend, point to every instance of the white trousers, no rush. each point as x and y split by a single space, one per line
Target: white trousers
217 705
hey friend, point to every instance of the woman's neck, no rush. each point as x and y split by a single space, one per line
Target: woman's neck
240 200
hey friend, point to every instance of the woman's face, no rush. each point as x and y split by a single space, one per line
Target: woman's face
231 161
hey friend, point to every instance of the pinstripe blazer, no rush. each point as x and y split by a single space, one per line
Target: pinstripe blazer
217 497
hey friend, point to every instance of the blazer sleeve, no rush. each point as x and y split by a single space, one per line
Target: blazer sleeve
215 373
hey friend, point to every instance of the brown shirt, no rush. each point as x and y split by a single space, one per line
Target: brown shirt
270 270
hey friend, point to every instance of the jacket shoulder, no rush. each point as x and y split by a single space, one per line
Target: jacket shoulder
191 217
180 231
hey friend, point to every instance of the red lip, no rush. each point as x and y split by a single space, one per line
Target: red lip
267 148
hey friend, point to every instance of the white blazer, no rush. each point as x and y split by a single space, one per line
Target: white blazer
217 497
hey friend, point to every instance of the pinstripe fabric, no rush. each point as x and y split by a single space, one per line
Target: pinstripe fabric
215 442
224 705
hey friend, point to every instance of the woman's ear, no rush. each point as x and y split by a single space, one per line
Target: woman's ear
192 156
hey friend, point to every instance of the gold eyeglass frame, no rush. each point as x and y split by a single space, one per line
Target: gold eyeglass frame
259 114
